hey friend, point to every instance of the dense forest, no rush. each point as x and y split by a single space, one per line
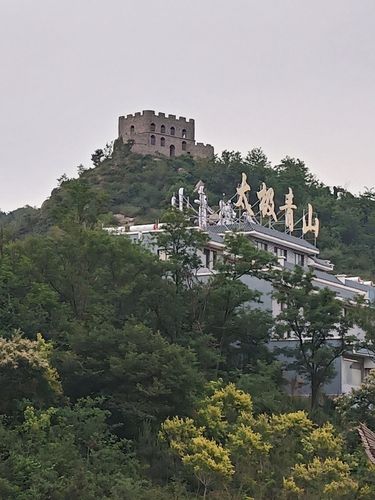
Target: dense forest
125 377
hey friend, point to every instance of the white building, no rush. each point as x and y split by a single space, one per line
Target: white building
352 368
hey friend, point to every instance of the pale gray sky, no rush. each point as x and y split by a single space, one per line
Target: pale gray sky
295 77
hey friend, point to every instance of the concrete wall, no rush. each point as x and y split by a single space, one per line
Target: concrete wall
296 384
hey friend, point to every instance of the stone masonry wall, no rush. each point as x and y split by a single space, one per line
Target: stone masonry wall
162 134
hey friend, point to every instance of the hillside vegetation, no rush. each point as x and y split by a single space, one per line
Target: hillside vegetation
125 377
141 187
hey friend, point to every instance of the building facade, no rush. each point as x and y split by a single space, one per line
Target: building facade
291 251
161 134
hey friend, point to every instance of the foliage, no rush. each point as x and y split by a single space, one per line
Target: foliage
265 384
317 322
180 246
69 452
26 372
142 186
227 448
116 341
357 407
321 479
139 373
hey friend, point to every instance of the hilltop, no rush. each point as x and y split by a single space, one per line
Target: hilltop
141 186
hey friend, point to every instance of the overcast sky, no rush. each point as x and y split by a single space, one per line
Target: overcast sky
294 77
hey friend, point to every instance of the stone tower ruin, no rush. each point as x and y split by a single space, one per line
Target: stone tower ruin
162 134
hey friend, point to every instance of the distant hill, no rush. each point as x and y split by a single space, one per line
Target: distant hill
141 187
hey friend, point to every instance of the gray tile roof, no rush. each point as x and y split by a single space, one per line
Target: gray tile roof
358 286
321 261
327 277
250 227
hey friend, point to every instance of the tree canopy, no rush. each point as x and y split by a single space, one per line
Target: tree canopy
124 376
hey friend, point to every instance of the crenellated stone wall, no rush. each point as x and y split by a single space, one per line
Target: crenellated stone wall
161 134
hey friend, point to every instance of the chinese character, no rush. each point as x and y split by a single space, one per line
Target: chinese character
242 201
267 205
289 207
308 224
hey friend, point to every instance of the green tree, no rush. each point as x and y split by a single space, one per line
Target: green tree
264 381
229 307
357 407
26 373
181 246
68 453
79 204
316 319
140 374
235 454
321 479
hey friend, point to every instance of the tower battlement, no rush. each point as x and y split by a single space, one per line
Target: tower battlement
151 113
161 134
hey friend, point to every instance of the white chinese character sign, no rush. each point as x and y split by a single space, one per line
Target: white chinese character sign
288 208
242 201
267 205
227 215
308 225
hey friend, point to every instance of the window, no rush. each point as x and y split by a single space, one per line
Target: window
132 130
206 260
172 150
183 145
152 127
214 258
281 252
352 373
162 129
209 258
299 259
173 131
162 141
184 133
261 245
153 140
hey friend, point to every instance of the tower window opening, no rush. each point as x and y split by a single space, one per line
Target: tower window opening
173 131
162 129
152 127
183 145
153 140
132 130
162 141
172 150
184 133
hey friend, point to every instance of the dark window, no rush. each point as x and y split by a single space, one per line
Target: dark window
214 258
261 245
173 131
299 259
206 261
152 127
153 140
172 150
183 146
281 252
183 133
162 141
162 129
132 130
